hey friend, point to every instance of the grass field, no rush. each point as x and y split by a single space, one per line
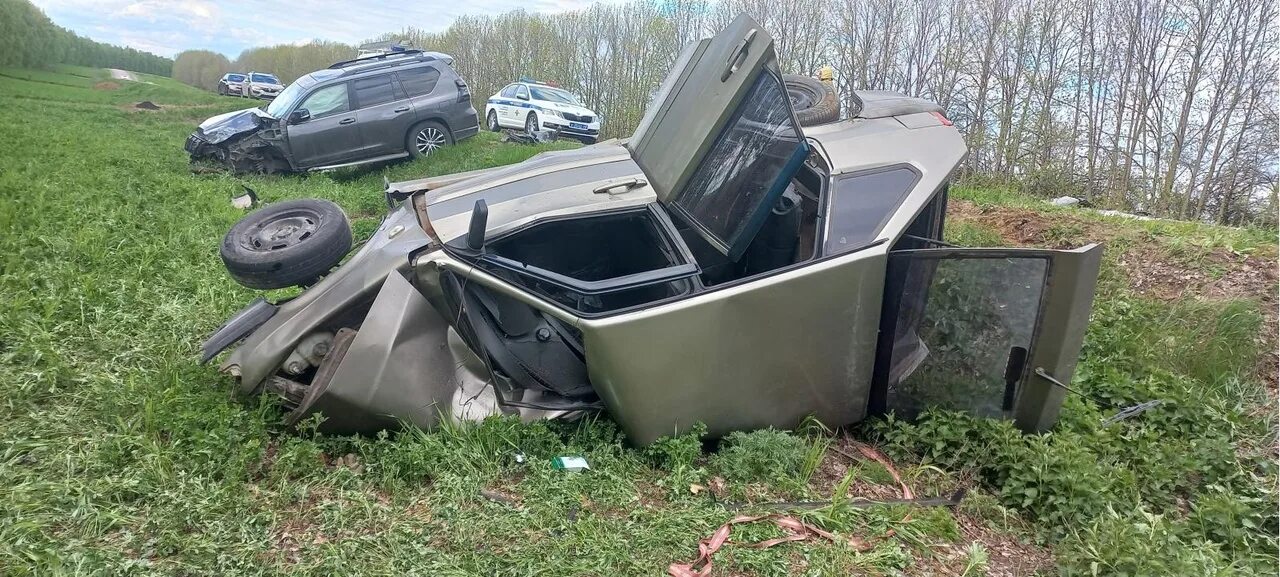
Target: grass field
119 455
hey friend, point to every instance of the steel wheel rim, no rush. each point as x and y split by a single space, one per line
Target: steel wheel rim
286 230
428 140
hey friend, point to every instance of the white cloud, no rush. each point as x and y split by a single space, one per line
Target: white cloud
230 26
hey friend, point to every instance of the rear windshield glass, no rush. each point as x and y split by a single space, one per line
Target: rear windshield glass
267 78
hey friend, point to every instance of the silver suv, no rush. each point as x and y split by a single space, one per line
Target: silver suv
365 110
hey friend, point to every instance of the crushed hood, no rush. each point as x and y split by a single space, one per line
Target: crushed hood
224 126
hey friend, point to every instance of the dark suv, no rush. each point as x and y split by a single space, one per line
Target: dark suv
371 109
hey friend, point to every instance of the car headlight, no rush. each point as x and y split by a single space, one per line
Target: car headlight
553 112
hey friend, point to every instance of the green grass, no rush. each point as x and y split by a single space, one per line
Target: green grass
120 455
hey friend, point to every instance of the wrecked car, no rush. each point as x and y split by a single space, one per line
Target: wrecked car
726 265
372 109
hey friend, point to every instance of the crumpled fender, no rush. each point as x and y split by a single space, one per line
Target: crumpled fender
398 367
353 284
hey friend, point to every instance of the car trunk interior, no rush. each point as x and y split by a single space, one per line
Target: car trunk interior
591 249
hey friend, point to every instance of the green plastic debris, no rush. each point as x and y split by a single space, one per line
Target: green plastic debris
570 463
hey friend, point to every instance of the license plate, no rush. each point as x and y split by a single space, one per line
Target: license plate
578 125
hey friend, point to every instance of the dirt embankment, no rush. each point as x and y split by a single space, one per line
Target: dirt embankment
1151 266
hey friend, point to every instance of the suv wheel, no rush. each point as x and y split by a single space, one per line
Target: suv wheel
492 121
531 123
286 244
428 137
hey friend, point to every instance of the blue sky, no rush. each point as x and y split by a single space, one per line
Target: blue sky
166 27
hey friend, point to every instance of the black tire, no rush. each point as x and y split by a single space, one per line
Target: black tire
427 137
286 244
222 90
531 123
492 121
814 102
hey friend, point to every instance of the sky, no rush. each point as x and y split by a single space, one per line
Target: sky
166 27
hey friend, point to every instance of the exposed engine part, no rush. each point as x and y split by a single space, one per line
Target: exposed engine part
310 351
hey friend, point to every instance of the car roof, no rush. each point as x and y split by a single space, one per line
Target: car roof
381 62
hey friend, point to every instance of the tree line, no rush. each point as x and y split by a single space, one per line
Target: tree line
1165 106
28 39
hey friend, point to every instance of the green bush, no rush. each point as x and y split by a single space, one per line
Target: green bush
767 455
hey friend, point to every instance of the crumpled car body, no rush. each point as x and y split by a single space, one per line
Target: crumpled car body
723 266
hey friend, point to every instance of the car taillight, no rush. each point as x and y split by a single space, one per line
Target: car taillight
464 92
943 119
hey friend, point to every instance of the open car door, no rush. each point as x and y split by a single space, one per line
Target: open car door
991 331
720 142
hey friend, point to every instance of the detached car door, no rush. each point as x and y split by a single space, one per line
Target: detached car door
990 331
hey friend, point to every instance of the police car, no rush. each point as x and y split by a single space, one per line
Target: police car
531 106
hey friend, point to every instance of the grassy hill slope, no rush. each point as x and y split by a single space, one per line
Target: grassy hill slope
120 455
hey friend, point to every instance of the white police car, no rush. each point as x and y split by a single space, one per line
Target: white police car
531 106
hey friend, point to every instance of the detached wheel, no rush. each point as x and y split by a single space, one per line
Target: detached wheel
428 137
286 244
814 102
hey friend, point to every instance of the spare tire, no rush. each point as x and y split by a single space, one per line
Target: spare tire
286 244
814 102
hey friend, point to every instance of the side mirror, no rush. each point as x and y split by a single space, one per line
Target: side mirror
479 221
299 116
522 96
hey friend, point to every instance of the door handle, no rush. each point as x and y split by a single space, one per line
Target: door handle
738 56
401 109
626 185
346 121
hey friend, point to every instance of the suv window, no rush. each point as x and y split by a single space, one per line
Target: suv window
327 100
419 81
509 91
522 91
374 90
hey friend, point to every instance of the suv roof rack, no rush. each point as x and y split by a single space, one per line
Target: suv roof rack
384 56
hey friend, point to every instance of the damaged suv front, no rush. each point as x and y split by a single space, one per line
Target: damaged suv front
727 265
249 140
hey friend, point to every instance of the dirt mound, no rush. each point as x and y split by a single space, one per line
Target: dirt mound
108 85
146 105
1151 266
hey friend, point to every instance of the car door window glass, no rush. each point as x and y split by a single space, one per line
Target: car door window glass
728 195
509 92
326 101
862 203
958 323
522 92
419 81
374 90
